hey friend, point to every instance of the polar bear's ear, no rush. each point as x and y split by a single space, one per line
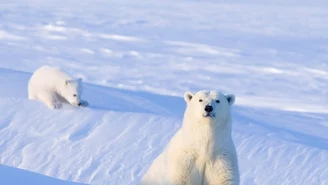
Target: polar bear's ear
231 98
188 96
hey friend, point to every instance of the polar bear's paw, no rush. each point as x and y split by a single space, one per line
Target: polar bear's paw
55 105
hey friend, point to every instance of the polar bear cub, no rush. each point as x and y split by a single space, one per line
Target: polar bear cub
52 86
202 151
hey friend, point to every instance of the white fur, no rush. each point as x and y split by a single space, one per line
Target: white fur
52 86
202 152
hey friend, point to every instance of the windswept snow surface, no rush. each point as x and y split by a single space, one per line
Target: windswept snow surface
137 58
10 175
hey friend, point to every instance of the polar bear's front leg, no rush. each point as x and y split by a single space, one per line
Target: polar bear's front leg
50 99
183 171
31 92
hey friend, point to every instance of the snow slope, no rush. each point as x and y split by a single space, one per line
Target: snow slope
10 175
137 59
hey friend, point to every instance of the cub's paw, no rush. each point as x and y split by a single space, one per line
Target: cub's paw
55 105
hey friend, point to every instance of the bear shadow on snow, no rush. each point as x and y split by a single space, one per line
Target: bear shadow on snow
108 98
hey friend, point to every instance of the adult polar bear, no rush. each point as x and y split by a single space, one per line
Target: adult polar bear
53 86
202 152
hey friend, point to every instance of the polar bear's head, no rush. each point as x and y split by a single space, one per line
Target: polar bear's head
72 91
208 106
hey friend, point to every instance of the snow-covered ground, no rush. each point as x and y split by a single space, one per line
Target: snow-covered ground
15 176
137 59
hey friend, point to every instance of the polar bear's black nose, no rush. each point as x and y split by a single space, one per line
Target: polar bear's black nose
79 104
208 108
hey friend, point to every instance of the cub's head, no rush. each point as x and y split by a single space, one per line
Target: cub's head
208 106
72 91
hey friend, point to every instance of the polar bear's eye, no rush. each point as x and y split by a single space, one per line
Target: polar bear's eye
217 101
74 95
200 100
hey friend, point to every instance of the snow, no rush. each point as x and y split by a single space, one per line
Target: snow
137 59
10 175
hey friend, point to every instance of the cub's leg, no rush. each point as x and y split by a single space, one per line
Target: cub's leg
50 99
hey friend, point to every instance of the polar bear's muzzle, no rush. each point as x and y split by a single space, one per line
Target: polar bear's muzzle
209 111
210 115
76 103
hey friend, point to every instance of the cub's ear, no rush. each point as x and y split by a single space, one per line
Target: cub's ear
188 96
231 98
